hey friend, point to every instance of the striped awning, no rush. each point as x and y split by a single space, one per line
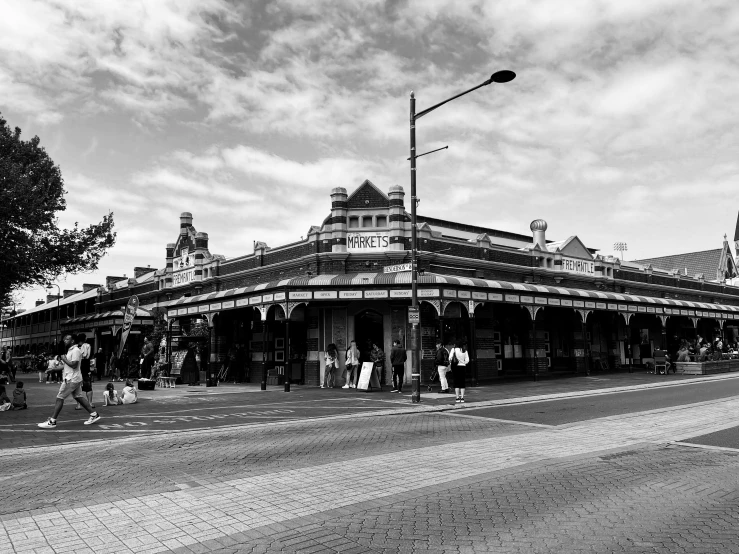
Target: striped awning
111 315
446 287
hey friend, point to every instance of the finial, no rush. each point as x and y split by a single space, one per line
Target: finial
724 236
412 95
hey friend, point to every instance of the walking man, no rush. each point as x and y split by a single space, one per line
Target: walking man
71 385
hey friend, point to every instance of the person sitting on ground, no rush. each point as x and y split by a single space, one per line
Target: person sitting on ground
130 396
19 397
110 396
5 403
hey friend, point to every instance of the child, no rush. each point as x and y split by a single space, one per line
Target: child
5 403
110 396
130 396
19 397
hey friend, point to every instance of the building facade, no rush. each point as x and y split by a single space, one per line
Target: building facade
525 305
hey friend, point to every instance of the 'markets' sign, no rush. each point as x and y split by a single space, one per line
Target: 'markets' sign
367 242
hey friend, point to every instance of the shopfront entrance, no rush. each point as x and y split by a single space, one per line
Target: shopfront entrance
368 327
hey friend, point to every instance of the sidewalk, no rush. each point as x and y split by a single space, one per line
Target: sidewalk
43 395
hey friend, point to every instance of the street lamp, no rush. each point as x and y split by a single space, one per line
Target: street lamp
503 76
58 325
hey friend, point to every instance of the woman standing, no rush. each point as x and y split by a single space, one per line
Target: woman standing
352 365
458 358
332 356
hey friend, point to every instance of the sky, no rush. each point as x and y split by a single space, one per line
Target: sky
621 125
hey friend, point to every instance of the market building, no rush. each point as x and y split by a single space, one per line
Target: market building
525 305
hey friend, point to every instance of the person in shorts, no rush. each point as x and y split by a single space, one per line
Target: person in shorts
71 386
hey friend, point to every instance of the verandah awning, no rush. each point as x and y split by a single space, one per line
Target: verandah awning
113 317
375 286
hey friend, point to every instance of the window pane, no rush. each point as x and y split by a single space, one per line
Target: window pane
381 221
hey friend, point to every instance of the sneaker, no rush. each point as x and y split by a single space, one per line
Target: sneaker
48 424
400 391
323 387
94 418
459 400
394 390
345 387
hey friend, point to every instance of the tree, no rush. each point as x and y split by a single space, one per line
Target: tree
33 249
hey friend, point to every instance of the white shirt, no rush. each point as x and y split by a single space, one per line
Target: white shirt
70 374
129 395
85 350
462 357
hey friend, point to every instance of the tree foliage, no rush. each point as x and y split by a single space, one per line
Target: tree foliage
33 249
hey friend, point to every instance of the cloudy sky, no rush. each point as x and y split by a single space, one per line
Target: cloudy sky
621 125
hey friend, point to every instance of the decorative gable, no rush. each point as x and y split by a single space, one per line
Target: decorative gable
572 247
368 196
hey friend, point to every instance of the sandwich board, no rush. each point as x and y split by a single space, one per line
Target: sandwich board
368 377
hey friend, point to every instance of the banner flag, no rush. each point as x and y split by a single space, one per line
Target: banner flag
128 317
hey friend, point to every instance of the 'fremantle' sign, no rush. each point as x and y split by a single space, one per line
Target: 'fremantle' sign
367 242
573 265
182 278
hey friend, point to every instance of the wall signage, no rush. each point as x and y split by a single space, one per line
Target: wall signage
182 278
573 265
367 242
183 265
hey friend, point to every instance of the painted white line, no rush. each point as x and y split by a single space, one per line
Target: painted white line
705 446
526 423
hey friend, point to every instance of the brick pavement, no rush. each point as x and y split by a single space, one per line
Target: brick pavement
303 477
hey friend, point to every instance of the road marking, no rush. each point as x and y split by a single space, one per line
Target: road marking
704 446
457 414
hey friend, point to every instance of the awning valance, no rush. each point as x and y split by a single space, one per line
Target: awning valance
446 287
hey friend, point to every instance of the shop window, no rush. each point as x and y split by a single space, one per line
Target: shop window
367 221
353 222
382 221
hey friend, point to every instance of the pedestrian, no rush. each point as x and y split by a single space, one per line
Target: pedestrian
41 367
85 369
110 396
398 357
352 365
130 395
458 359
6 361
332 356
19 397
71 385
441 359
5 402
377 356
100 364
147 355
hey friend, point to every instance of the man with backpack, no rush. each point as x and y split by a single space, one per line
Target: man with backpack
442 365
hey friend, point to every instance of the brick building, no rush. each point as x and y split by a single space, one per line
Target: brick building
524 304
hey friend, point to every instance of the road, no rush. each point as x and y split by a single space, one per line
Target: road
585 469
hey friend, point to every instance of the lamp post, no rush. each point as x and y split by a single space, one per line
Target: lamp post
58 324
503 76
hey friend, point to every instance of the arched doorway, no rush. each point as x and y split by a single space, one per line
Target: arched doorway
368 327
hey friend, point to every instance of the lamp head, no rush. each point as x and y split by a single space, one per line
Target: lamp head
502 76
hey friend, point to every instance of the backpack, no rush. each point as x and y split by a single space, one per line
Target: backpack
454 361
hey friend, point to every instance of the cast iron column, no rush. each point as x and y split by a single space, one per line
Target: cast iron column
264 355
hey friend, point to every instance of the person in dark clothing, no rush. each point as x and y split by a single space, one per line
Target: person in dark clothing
100 364
398 357
441 359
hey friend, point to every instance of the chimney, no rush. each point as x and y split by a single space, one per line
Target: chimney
70 292
39 302
52 297
86 287
185 222
539 227
139 271
111 280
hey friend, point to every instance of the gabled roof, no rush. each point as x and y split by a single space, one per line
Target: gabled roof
710 263
367 195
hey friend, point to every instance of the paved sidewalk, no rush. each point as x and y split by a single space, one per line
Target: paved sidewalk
325 504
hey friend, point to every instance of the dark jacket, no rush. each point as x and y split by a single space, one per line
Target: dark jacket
19 398
442 356
398 356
